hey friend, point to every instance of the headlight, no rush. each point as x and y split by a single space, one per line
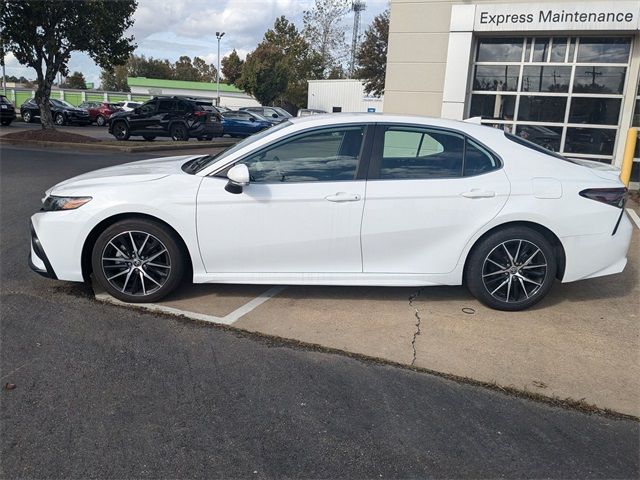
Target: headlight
54 204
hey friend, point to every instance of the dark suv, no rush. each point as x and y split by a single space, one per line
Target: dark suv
7 111
63 113
180 118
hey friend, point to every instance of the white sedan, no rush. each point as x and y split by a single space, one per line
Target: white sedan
351 199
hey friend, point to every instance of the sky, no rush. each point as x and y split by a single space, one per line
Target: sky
172 28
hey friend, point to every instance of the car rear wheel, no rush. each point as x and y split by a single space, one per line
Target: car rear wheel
100 121
27 117
59 119
138 261
121 131
511 269
149 138
179 132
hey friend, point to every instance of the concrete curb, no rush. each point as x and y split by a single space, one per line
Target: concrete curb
96 146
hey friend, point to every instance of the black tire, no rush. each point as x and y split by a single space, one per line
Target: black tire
149 138
205 139
101 121
120 130
514 282
59 119
137 279
27 117
179 132
6 123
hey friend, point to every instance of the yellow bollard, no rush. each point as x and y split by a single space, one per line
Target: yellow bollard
629 150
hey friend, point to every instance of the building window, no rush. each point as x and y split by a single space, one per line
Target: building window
564 93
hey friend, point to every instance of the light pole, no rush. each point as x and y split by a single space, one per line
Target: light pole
219 35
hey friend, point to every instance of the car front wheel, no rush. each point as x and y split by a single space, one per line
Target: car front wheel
511 269
138 261
59 119
121 131
26 117
100 121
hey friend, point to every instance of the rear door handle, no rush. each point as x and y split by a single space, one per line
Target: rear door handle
343 197
477 193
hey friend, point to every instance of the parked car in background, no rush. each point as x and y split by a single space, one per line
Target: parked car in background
341 200
99 112
63 113
242 123
7 111
128 106
276 113
180 118
305 112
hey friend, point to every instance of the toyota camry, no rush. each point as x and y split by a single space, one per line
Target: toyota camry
350 199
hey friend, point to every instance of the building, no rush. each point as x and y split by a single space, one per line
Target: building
230 96
341 96
562 74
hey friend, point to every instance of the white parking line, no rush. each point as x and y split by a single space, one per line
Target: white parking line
634 216
229 319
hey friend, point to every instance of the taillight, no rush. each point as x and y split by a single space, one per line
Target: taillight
199 113
616 197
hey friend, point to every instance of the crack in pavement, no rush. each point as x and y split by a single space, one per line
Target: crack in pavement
418 322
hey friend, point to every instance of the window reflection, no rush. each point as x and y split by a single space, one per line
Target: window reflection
499 50
414 154
497 107
327 156
546 79
597 111
593 141
497 78
540 49
636 115
606 80
559 50
546 137
542 109
604 50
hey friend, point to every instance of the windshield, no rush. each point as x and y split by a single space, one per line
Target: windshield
206 161
282 112
535 146
61 103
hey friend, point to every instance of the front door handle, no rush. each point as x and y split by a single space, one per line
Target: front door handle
343 197
477 193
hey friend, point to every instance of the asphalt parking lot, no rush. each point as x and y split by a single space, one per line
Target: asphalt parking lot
108 391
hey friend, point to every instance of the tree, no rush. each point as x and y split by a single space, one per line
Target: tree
75 80
265 73
231 67
115 80
302 62
42 35
184 70
325 31
372 55
205 72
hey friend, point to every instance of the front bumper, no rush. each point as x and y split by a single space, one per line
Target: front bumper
38 260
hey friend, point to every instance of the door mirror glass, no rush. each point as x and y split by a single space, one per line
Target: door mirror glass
251 119
238 178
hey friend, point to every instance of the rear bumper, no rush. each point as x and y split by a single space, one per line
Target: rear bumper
38 260
7 115
213 129
590 256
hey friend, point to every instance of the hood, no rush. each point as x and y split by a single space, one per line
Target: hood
142 171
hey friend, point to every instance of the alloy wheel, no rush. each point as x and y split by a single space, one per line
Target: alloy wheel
59 119
26 117
120 130
514 271
100 121
136 263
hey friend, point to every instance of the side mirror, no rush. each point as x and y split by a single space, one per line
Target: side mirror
274 115
238 178
251 119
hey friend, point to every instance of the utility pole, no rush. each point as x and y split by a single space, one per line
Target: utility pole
358 7
219 35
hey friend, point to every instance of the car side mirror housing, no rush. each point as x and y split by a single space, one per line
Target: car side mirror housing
274 115
238 178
